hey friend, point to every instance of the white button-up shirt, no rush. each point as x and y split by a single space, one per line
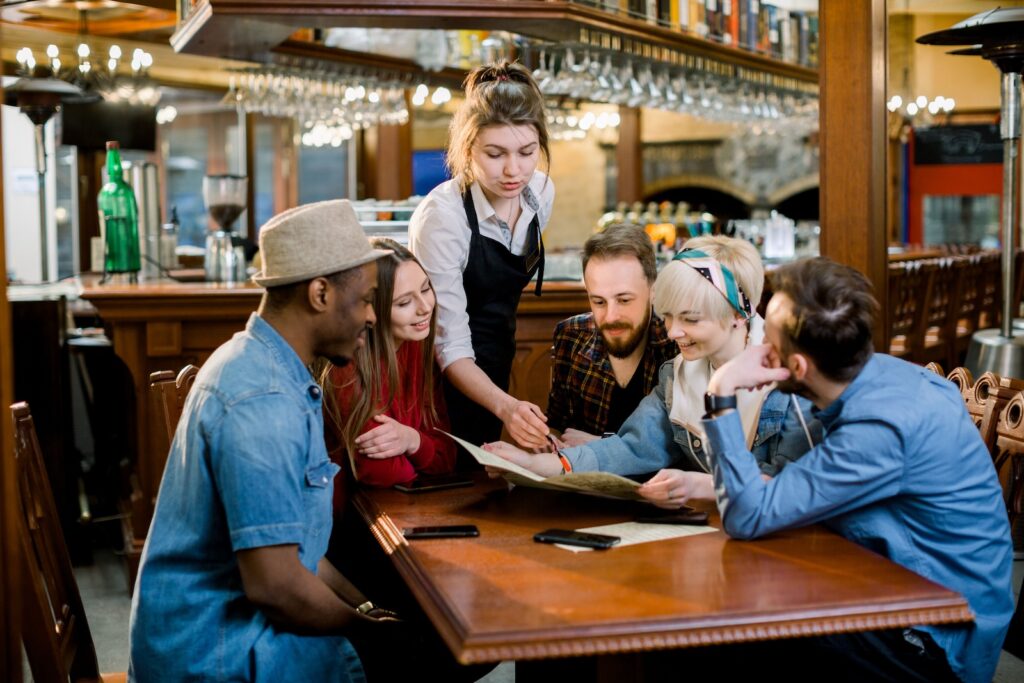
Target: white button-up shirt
439 236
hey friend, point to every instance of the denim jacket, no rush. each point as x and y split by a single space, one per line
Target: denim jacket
649 441
247 469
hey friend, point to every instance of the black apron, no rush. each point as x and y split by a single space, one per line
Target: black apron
494 279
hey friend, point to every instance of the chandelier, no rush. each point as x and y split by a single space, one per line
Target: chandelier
113 77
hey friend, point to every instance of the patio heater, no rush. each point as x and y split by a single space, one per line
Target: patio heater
39 99
998 36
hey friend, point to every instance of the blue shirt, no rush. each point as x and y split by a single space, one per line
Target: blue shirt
248 468
902 471
649 441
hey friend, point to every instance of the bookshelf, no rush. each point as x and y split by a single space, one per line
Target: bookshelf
248 30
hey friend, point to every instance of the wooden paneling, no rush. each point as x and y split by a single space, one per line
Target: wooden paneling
10 636
629 158
394 159
853 140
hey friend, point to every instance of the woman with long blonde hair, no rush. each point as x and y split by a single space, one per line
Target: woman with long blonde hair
385 408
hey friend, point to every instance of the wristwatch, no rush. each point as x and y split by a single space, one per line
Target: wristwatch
714 403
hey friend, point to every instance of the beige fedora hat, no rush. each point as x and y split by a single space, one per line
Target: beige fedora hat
312 240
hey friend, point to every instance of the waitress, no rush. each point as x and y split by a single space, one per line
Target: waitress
479 238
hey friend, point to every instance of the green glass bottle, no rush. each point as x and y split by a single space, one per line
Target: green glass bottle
119 218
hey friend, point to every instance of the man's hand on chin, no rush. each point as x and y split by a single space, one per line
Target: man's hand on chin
757 366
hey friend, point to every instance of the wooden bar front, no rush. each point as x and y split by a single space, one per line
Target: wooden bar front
167 325
502 596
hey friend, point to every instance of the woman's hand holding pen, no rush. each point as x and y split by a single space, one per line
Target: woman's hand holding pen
525 422
391 439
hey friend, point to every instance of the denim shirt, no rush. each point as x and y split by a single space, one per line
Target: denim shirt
247 468
902 471
649 441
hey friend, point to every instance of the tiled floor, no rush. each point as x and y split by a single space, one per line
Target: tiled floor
107 603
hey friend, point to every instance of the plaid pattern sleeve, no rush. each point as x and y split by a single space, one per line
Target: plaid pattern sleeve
582 381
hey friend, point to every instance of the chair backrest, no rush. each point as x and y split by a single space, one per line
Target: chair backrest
936 368
56 633
944 297
991 284
171 391
909 286
1010 444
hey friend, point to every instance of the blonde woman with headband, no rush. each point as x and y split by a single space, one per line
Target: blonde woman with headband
479 238
707 297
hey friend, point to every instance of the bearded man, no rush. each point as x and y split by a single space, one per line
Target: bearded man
604 362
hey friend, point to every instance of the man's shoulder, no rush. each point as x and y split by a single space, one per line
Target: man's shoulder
576 326
243 367
892 390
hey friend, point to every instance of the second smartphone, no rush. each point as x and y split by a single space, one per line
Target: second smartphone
580 538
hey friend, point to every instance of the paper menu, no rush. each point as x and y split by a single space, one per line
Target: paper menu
602 484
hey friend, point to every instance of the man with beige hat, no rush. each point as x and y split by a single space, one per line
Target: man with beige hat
233 570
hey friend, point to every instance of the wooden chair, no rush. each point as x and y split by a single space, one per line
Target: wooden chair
972 293
55 630
941 313
936 368
909 286
1010 446
991 285
171 391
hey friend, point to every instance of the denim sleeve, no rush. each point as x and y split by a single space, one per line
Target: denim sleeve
644 443
258 456
857 464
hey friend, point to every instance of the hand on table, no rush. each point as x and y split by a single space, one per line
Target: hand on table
391 439
671 489
525 422
545 464
574 437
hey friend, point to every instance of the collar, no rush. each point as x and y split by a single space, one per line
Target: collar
830 413
484 210
288 360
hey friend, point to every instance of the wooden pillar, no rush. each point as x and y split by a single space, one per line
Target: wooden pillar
853 139
629 157
10 614
387 154
90 179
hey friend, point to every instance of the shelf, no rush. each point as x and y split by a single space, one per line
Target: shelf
250 29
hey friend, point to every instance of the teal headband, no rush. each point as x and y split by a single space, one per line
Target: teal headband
720 277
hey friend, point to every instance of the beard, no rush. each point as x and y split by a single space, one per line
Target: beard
794 386
622 348
339 361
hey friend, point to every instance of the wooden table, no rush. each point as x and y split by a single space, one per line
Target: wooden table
502 596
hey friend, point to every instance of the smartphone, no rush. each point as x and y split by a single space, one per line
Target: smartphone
678 517
434 482
453 531
582 538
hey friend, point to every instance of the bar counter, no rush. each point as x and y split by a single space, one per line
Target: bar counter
165 325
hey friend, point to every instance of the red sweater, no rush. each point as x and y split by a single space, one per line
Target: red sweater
436 454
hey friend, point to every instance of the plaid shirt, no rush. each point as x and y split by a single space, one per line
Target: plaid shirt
582 380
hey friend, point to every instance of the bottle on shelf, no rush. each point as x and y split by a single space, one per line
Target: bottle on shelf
169 241
119 218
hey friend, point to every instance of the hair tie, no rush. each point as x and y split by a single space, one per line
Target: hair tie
720 277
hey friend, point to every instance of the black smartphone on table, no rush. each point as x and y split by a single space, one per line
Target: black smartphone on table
696 517
580 538
451 531
434 482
